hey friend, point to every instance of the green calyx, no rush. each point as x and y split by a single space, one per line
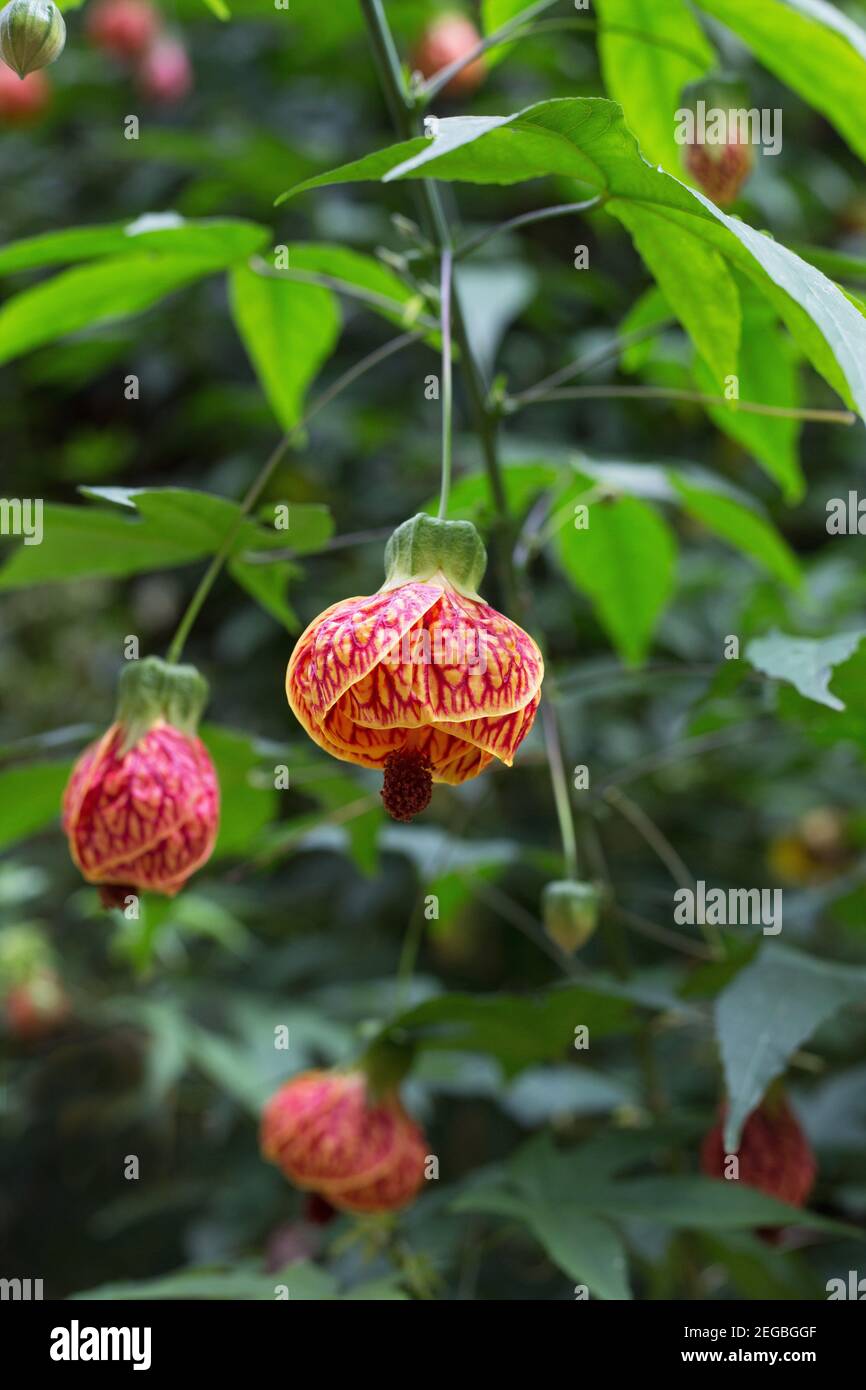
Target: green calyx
425 548
570 913
32 35
385 1064
153 691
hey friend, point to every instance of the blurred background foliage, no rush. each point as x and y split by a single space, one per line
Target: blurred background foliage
727 771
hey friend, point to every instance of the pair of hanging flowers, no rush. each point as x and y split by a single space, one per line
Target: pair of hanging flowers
422 681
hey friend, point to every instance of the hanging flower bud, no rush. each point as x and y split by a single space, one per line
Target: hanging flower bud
447 39
123 28
331 1133
422 680
719 156
23 100
34 1001
32 35
36 1008
165 74
141 809
570 913
774 1154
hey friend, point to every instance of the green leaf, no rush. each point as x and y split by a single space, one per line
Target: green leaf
813 47
148 529
806 662
214 240
363 273
583 1246
692 1203
243 1282
267 584
649 52
586 139
248 800
288 329
697 284
742 527
117 287
625 561
767 374
770 1009
219 8
518 1031
30 799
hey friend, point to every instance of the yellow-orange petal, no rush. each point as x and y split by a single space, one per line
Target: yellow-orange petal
343 644
460 660
500 736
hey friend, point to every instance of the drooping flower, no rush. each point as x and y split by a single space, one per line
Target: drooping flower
720 170
165 72
123 28
23 99
448 38
774 1154
329 1134
32 35
422 680
718 156
33 1000
141 809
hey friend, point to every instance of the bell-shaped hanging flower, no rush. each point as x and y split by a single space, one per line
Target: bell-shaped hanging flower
141 809
422 680
774 1156
32 35
329 1133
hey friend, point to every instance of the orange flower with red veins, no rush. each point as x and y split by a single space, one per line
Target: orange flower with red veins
422 680
329 1134
141 809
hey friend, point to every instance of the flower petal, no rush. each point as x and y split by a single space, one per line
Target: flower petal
500 737
343 644
460 660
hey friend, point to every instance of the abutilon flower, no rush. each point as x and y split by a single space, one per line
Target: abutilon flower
22 99
774 1154
123 28
422 680
33 1000
720 170
37 1007
141 809
165 72
448 38
329 1134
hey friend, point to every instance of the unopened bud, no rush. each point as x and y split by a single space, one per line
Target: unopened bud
32 35
570 913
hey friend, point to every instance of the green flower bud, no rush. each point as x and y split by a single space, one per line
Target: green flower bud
32 35
153 690
570 913
425 546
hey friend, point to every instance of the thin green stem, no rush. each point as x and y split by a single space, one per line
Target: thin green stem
559 783
525 219
425 91
261 481
345 287
588 362
485 416
445 314
664 393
